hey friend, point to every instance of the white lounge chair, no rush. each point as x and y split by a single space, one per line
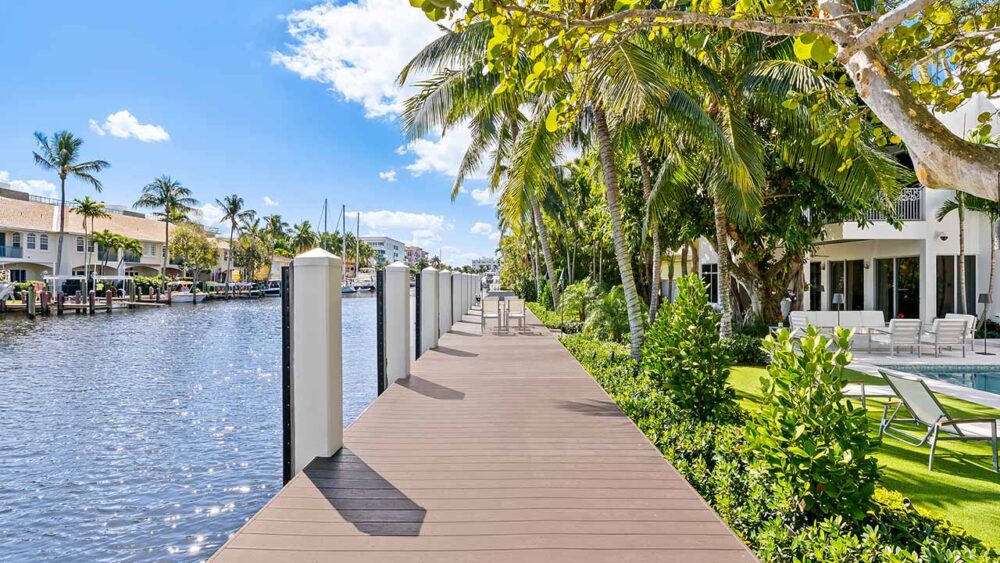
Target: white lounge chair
901 332
928 414
515 310
491 310
971 321
797 320
946 332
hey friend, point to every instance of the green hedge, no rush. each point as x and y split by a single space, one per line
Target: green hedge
715 459
553 319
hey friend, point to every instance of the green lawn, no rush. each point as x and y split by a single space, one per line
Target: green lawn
963 487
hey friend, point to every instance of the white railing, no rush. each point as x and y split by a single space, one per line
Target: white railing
909 206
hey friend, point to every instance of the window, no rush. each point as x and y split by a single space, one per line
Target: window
16 241
43 242
79 244
31 241
710 275
948 286
18 276
897 287
815 286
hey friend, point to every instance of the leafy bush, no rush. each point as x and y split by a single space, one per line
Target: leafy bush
554 320
717 459
747 350
578 298
608 316
806 436
545 296
685 356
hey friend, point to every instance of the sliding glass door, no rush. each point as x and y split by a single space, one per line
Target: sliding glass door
897 287
948 291
815 286
848 279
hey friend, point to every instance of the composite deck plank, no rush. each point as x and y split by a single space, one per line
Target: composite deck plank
498 448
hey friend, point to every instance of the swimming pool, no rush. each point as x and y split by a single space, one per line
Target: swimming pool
983 378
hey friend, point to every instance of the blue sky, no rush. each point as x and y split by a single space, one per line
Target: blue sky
283 102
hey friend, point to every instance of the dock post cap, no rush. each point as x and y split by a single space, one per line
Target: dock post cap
315 257
445 271
397 265
429 270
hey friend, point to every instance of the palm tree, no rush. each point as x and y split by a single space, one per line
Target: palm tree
89 210
303 237
232 208
992 211
958 204
276 231
60 153
128 246
106 242
174 202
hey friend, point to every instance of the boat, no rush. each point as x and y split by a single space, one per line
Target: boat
181 292
272 289
346 287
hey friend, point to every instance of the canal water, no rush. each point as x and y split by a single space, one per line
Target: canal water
149 435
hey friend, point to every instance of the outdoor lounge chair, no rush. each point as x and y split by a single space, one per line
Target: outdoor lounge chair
928 413
971 321
515 310
901 332
946 332
491 310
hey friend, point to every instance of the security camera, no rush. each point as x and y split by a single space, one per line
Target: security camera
943 237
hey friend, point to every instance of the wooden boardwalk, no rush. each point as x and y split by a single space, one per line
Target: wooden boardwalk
498 448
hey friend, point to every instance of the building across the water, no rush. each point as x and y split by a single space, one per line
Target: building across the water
484 264
911 273
29 238
387 249
414 254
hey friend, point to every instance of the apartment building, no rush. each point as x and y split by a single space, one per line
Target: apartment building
387 249
414 254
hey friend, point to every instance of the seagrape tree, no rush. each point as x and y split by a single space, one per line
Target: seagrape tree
904 58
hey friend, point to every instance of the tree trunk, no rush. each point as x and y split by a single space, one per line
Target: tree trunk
670 279
62 224
993 270
654 233
166 249
722 248
229 259
695 258
684 260
961 254
633 303
534 263
536 212
941 159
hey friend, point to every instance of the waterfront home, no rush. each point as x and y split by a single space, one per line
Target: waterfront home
912 272
29 237
387 249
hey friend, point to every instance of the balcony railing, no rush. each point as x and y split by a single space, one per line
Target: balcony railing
11 252
909 206
132 258
107 255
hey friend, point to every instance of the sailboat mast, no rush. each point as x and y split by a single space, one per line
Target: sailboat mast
357 246
343 238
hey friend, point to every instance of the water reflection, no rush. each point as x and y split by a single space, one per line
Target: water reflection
148 435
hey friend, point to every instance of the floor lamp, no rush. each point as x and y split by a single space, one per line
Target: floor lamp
985 300
838 299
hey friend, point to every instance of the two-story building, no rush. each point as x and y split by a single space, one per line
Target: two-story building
29 239
414 254
912 272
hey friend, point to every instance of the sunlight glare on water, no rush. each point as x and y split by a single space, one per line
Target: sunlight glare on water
148 435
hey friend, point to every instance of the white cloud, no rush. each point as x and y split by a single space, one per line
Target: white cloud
424 238
481 228
124 125
210 214
388 175
483 196
442 154
270 202
401 150
33 187
495 235
357 49
385 219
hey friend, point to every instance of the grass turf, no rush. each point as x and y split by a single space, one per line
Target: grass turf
962 488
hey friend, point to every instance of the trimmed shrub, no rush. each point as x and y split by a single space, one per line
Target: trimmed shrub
806 436
554 320
718 461
685 357
747 350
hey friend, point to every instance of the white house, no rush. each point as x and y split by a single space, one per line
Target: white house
912 272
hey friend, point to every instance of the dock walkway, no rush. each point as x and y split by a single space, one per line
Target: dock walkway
498 448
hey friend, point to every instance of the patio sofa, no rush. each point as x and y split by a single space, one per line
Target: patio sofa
861 320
